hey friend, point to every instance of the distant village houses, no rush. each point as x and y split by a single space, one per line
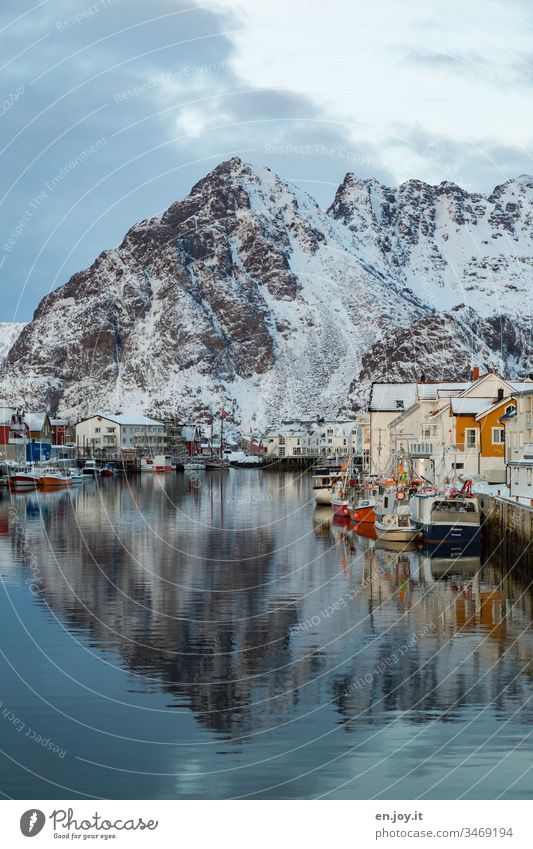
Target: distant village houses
316 439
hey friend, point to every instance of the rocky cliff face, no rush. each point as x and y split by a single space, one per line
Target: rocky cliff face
247 292
9 331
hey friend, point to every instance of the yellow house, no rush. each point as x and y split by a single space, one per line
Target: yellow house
480 436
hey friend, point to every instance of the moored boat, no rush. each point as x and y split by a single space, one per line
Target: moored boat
163 463
147 464
106 472
25 480
449 522
90 468
324 479
393 523
194 465
54 478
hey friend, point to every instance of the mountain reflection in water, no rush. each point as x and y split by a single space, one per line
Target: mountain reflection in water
215 635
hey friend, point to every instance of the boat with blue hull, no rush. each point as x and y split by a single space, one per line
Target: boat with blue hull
448 524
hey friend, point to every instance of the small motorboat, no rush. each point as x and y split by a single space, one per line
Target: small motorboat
76 476
107 472
147 464
194 465
90 469
214 463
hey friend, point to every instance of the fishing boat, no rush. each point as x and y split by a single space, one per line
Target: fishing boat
147 464
393 522
362 504
163 463
448 522
76 476
324 479
107 472
53 478
25 480
343 490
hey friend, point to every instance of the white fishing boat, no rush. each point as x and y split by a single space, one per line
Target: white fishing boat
25 479
76 476
324 479
393 522
147 464
163 463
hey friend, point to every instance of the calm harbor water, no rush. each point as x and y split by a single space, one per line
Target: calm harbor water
214 635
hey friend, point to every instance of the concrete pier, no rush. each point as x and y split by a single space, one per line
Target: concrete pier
509 526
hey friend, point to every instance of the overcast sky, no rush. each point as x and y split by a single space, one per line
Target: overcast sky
111 110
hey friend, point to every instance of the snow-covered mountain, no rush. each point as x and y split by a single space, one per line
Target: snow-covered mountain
247 291
9 332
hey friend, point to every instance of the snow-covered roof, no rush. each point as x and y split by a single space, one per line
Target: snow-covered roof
391 397
432 391
129 421
470 406
495 405
524 386
35 421
189 432
59 422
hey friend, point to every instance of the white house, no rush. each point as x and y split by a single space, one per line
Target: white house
519 446
108 433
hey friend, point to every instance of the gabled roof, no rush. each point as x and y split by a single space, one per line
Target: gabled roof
36 420
522 387
127 420
483 378
391 397
503 403
432 391
470 406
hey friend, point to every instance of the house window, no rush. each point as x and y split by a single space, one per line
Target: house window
282 451
458 465
110 429
509 409
498 435
470 437
97 430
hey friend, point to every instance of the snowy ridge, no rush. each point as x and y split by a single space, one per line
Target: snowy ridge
9 332
247 292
